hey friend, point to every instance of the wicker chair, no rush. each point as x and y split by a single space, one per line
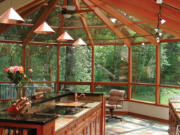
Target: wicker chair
115 101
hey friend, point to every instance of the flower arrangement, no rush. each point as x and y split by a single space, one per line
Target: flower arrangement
18 77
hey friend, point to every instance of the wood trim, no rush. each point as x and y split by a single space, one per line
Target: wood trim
76 83
42 18
147 103
138 115
148 117
95 44
143 84
144 15
129 73
170 86
107 21
111 83
158 57
124 20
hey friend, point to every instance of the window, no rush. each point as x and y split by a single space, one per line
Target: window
143 64
111 63
144 93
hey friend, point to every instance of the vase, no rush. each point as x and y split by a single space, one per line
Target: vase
19 92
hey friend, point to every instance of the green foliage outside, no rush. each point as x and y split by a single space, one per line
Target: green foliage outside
111 62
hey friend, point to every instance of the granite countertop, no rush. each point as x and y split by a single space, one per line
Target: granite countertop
43 118
66 119
27 118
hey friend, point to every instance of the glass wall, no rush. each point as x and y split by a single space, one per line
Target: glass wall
170 63
42 60
143 63
75 63
111 64
75 88
10 55
143 93
167 93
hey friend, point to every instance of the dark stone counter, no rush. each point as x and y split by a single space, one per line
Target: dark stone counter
27 118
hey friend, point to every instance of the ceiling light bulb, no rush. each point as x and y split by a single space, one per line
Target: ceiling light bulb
159 1
143 43
163 21
160 34
113 20
157 39
156 29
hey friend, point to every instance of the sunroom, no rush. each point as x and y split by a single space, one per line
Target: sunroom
63 61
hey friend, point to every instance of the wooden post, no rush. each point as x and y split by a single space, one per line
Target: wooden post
23 62
129 73
92 72
158 74
57 74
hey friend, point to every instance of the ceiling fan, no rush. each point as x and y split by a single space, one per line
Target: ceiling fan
69 9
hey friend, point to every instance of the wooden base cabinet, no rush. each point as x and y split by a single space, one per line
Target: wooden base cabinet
174 118
87 124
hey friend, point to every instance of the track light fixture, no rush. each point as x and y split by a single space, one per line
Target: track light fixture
162 21
159 1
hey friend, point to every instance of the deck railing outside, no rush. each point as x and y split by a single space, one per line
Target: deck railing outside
8 91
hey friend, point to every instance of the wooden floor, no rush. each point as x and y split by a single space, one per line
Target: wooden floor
135 126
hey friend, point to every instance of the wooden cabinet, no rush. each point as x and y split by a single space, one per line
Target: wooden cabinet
27 129
87 124
174 117
88 121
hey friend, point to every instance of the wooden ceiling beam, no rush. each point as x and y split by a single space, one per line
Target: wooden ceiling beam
153 7
107 22
124 20
84 23
42 18
143 15
4 27
173 3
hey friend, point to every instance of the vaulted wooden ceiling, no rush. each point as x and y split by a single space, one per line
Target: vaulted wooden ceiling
147 14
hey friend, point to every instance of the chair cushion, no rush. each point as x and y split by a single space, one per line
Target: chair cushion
115 92
110 106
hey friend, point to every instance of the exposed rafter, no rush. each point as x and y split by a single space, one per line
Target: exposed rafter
23 13
84 23
146 16
173 3
42 18
124 20
107 21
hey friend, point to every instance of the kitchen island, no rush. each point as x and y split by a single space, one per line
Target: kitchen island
59 115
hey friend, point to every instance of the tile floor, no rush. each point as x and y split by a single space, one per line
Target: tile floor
135 126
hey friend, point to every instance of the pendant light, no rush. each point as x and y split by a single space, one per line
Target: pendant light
10 16
44 28
65 37
79 41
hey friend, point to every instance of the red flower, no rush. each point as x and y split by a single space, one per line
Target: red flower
6 69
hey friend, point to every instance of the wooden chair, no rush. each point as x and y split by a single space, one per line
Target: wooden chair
115 101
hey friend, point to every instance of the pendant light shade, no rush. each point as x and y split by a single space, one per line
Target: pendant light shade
11 17
79 41
65 37
44 28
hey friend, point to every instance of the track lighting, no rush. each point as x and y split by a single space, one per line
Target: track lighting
162 21
159 1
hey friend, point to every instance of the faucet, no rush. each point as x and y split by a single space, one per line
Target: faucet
76 96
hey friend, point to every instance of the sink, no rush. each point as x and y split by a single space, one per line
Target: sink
63 110
71 104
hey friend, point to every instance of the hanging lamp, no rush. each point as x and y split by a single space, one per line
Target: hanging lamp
65 37
79 41
10 16
44 28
